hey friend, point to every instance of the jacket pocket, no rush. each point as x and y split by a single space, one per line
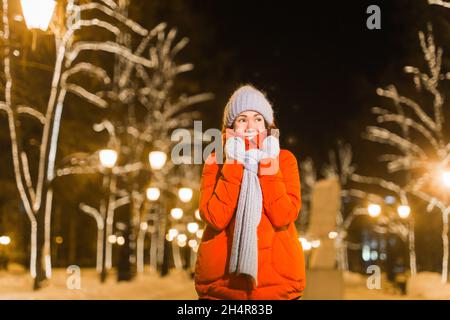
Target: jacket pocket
287 256
211 259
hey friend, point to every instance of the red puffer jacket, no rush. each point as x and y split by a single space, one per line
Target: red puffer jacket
281 268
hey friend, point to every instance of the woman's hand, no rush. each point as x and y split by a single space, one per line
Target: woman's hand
269 164
234 146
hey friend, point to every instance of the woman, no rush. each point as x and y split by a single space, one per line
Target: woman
250 248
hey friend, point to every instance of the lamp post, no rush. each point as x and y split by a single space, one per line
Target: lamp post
108 159
4 242
404 212
157 160
152 195
38 13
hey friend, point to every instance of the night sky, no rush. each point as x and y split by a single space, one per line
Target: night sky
317 61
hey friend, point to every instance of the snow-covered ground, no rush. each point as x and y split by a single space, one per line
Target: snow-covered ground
17 284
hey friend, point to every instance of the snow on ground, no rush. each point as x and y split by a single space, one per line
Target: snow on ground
17 284
428 285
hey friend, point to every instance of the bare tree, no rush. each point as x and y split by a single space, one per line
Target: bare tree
422 144
36 196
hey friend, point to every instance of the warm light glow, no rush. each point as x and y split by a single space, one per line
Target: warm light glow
199 233
172 233
176 213
153 193
181 243
59 240
192 243
185 194
157 159
306 245
332 235
197 214
315 243
120 241
112 239
374 210
144 225
403 211
38 13
5 240
108 158
192 227
182 237
446 178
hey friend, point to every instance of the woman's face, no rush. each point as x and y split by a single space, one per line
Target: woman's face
249 123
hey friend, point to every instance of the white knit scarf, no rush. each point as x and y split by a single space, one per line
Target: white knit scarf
244 252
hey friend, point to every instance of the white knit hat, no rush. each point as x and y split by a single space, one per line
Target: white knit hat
247 98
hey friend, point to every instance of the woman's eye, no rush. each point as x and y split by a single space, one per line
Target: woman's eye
241 120
258 119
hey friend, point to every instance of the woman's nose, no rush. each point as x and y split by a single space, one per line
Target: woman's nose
251 125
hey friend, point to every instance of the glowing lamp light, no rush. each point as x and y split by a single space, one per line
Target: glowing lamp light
403 211
108 158
446 178
144 226
315 244
192 243
332 235
185 194
153 193
176 213
172 233
120 241
182 237
374 210
306 245
157 159
112 238
5 240
192 227
199 234
38 13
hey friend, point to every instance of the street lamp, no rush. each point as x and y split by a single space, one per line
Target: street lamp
120 241
192 243
38 13
185 194
112 238
176 213
306 245
108 158
192 227
446 178
5 240
332 235
157 159
172 234
153 193
315 243
403 211
374 210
